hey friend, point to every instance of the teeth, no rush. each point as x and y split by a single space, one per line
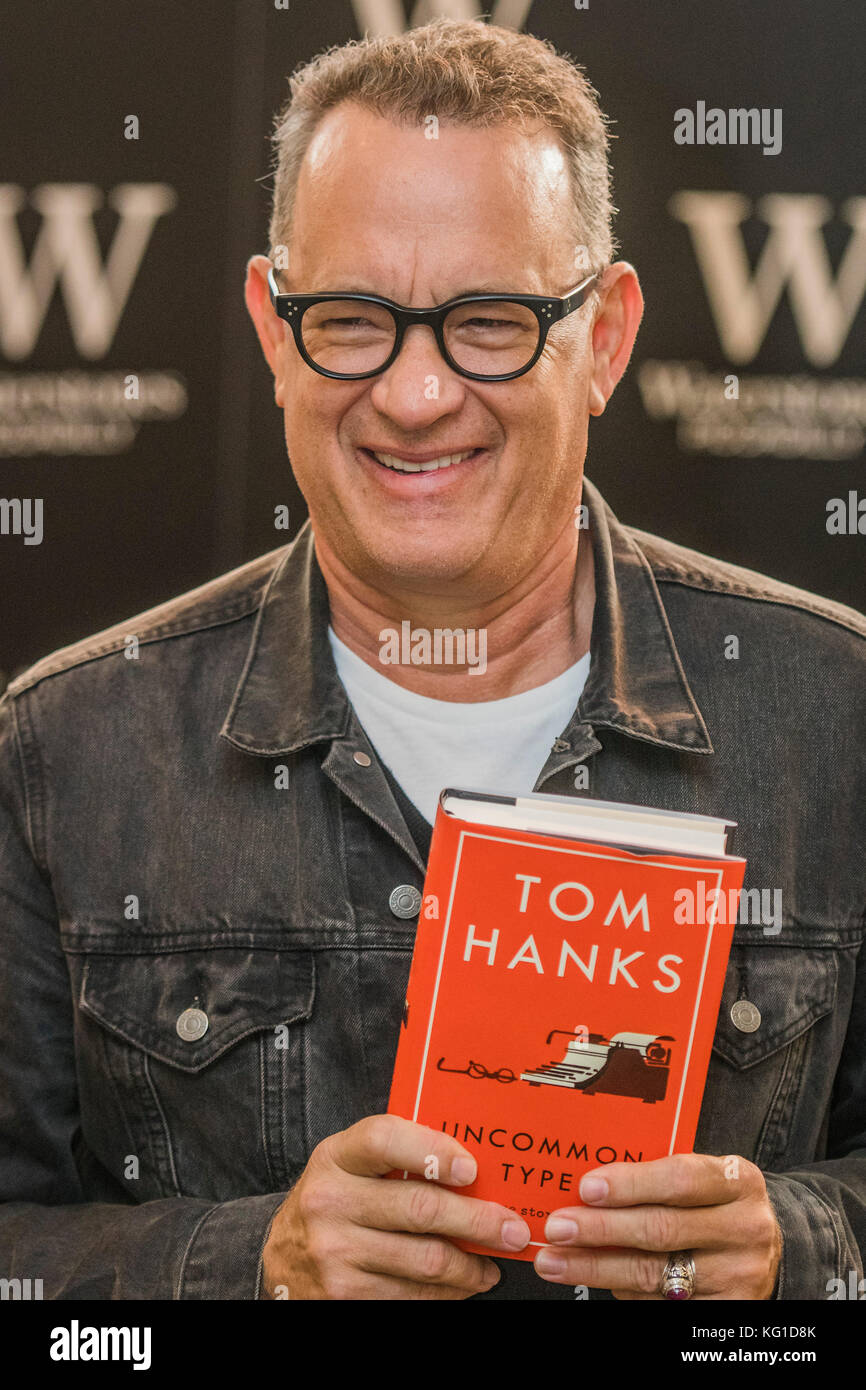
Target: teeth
404 466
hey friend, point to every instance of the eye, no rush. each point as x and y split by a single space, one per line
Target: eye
503 322
347 319
498 322
346 322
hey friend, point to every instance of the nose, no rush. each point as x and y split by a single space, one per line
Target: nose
419 386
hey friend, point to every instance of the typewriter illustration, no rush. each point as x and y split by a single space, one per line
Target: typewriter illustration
628 1064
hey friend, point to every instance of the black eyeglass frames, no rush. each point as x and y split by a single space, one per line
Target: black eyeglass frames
486 337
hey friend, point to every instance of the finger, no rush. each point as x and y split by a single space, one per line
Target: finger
379 1144
660 1228
426 1260
636 1273
406 1290
728 1276
635 1270
680 1180
426 1208
350 1284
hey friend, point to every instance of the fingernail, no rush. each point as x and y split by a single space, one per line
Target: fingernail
594 1189
464 1171
491 1274
515 1234
559 1228
548 1262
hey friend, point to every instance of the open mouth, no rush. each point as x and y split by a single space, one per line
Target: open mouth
401 465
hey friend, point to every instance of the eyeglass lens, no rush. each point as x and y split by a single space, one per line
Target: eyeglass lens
490 339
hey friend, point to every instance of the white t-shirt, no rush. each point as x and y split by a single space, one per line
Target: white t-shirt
489 745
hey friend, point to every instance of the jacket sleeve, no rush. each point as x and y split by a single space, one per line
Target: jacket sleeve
170 1248
821 1207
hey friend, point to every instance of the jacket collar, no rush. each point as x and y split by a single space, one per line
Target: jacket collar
636 681
289 695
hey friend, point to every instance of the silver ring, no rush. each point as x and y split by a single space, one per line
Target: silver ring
678 1280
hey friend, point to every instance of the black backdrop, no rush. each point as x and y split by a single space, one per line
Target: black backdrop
124 258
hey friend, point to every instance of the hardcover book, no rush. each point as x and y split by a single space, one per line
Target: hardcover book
564 989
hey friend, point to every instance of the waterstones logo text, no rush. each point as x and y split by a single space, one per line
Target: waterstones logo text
439 646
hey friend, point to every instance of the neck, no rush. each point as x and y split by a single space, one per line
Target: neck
530 633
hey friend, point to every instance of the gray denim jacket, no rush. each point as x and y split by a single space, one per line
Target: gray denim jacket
184 827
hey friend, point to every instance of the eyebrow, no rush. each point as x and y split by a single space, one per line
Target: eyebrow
488 288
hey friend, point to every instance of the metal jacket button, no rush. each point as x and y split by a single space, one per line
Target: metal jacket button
192 1025
405 901
746 1016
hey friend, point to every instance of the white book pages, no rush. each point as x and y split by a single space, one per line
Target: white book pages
611 822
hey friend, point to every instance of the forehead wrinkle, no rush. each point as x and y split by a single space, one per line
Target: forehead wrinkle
515 206
400 273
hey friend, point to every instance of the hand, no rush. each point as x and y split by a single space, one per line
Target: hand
344 1232
716 1208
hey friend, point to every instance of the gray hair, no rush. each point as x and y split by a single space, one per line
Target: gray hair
466 71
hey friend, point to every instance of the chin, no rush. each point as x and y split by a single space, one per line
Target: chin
428 565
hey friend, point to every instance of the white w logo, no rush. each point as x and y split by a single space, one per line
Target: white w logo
380 17
794 257
67 249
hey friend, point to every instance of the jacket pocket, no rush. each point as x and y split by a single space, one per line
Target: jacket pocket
772 1065
205 1052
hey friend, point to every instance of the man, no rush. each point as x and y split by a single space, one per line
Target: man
213 849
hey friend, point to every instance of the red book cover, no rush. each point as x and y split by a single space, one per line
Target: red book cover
561 1006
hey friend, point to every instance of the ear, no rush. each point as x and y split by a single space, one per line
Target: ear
615 328
271 330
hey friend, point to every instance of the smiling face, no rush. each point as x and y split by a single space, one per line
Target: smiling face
382 210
